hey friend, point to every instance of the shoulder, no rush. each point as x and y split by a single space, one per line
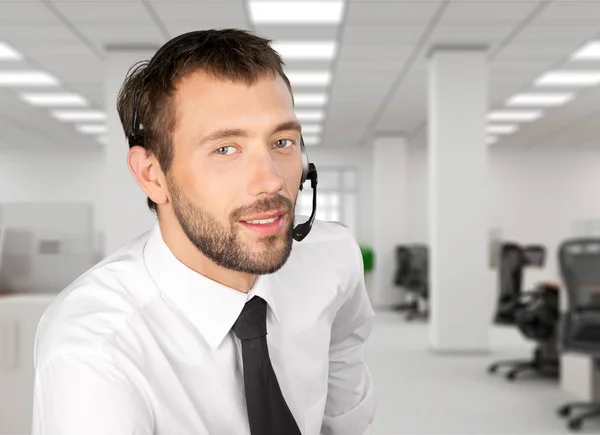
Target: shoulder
86 314
331 247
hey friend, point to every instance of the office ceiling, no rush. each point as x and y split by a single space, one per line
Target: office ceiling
379 73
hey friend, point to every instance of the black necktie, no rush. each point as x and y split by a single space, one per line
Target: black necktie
267 411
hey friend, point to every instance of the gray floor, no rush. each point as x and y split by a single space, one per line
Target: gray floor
420 392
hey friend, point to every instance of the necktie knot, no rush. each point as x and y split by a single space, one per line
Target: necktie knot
252 322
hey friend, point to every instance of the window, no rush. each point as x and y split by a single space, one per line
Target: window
336 197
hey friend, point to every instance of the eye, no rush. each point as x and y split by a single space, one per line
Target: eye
278 144
219 150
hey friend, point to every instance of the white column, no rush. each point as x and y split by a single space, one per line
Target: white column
126 214
389 180
460 294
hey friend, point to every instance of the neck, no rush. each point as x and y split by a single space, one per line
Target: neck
185 251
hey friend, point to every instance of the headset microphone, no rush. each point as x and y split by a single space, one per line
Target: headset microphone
301 230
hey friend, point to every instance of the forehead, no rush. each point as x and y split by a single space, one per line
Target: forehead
200 93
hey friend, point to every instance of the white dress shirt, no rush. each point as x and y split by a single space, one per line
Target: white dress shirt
141 344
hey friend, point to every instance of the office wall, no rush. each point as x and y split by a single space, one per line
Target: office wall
51 176
536 196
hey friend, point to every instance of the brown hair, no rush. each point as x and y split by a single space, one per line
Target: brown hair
228 54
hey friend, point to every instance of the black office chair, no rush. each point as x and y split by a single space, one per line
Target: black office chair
535 312
400 278
417 281
579 261
510 279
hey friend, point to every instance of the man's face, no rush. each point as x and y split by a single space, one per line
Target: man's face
237 156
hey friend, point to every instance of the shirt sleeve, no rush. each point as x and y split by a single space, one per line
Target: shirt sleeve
78 394
350 406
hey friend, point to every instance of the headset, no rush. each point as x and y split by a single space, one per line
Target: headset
136 137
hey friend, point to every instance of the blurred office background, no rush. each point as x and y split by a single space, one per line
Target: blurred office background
458 140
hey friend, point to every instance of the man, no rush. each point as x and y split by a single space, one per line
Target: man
215 322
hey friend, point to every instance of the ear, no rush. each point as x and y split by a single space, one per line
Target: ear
146 170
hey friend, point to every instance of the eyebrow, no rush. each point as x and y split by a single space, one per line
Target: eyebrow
237 132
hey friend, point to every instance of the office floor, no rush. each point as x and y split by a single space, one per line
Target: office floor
420 392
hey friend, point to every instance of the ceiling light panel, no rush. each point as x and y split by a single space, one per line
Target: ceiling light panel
311 140
309 99
502 128
27 78
296 12
569 78
79 115
9 53
309 115
590 51
310 50
311 129
540 99
54 99
515 115
308 78
91 128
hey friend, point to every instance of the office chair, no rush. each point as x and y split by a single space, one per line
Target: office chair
535 313
579 262
417 281
402 255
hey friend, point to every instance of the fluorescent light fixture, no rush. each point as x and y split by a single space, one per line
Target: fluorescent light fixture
590 51
309 78
91 128
295 50
296 12
515 115
569 78
309 99
57 99
309 115
501 128
311 129
79 115
549 99
27 78
9 53
489 140
311 140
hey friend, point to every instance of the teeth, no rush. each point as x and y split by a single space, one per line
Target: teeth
263 221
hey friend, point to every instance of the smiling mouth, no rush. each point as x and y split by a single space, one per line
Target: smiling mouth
265 227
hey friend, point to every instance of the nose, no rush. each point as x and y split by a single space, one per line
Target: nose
265 177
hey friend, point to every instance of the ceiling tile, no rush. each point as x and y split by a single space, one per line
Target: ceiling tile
177 27
13 12
304 33
488 12
385 13
382 34
570 12
80 12
373 53
203 11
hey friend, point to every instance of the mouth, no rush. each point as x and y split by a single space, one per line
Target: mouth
265 224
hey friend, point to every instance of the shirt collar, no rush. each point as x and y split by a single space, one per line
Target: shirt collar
210 306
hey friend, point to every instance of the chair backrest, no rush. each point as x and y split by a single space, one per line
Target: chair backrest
418 280
510 282
402 265
579 262
510 271
534 255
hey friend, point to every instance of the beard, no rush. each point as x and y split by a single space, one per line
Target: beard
223 242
